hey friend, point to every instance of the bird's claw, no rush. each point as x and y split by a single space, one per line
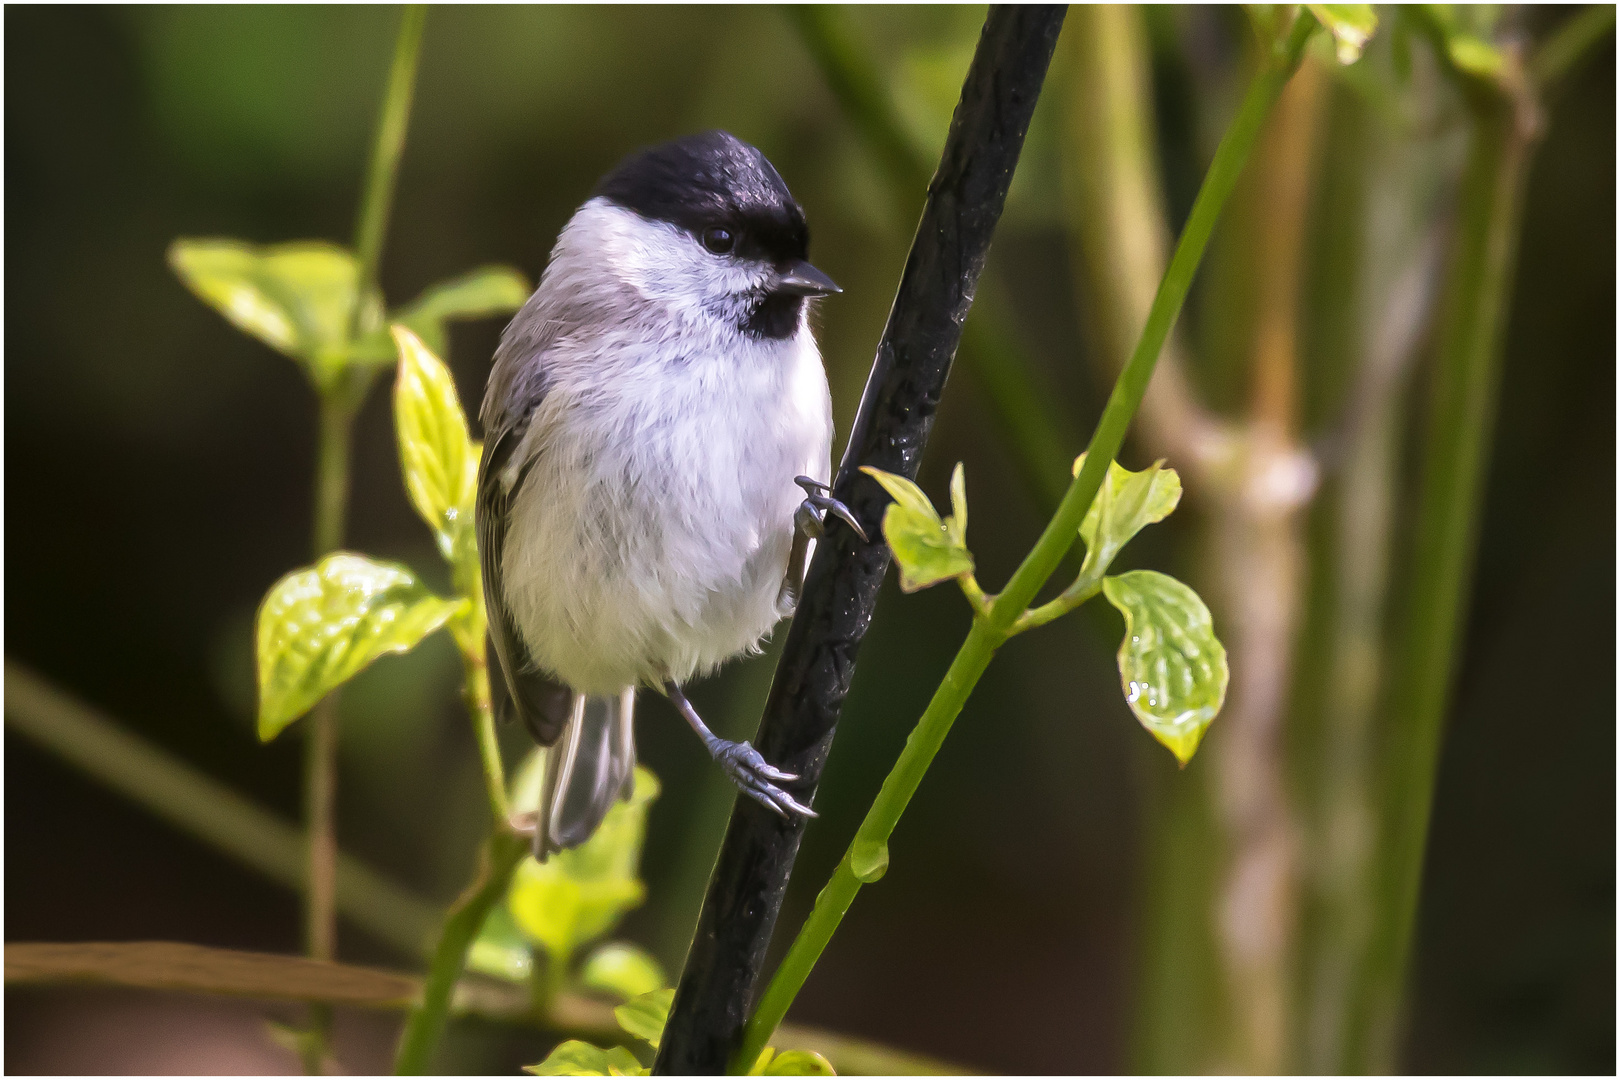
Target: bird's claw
811 515
756 777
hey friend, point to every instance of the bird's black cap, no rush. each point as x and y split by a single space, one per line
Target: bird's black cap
712 180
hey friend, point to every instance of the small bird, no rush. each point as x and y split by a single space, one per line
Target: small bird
655 419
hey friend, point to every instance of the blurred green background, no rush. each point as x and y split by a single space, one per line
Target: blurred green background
158 470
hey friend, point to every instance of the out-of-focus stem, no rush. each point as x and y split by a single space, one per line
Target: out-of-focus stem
1461 417
203 808
1118 227
1258 563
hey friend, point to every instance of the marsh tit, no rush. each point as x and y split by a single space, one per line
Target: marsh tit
654 423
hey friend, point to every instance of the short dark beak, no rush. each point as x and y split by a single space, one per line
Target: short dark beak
802 279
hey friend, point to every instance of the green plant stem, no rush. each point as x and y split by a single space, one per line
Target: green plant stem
475 691
989 632
1462 411
333 456
386 150
500 857
898 787
337 408
205 809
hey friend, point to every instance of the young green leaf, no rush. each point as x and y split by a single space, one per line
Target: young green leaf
576 1058
926 549
500 950
1351 26
1172 666
798 1063
622 970
298 298
578 895
319 626
440 462
645 1016
489 290
1126 503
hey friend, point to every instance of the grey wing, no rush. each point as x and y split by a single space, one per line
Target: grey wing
542 703
516 386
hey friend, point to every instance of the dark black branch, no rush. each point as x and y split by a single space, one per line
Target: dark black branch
897 410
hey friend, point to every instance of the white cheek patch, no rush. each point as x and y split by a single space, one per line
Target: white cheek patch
661 262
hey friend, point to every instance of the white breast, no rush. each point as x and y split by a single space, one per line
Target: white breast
649 537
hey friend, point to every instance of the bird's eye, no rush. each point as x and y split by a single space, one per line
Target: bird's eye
718 240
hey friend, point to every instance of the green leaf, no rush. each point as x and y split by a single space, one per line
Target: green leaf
578 895
500 950
645 1016
622 970
926 549
298 298
868 860
319 626
576 1058
799 1063
1126 503
439 460
1351 26
489 290
1172 666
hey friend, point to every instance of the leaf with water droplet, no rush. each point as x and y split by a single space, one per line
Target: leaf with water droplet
926 549
868 859
319 626
1172 666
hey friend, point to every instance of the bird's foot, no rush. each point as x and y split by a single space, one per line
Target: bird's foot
811 517
809 523
757 778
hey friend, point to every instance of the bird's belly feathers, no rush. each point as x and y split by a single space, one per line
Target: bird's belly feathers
650 538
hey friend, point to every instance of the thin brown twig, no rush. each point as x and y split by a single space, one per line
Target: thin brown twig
198 969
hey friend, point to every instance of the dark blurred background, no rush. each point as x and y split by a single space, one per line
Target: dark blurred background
158 468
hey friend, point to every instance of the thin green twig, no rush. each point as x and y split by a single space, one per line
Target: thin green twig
502 852
867 856
387 148
1570 44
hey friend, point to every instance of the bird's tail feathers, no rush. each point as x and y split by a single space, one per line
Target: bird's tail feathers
587 770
